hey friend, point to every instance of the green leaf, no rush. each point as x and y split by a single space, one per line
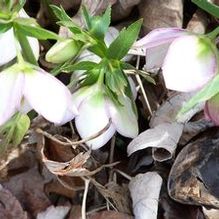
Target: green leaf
210 90
91 78
60 13
13 131
4 27
121 45
208 6
87 17
32 29
100 24
116 81
84 65
71 26
17 7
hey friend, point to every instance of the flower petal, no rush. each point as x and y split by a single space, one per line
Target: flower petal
160 36
155 56
190 63
7 47
133 87
48 96
11 84
93 118
34 44
123 117
212 109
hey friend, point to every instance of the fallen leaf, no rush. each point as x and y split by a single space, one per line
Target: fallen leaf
211 213
109 215
10 207
163 138
145 190
168 111
168 14
193 178
52 212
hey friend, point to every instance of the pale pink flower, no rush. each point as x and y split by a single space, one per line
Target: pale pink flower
43 92
96 110
7 44
188 60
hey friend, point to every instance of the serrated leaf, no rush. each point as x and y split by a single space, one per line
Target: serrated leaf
32 29
100 24
13 131
208 6
60 13
121 45
210 90
84 65
86 16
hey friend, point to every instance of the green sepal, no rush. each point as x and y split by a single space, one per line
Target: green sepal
13 131
121 45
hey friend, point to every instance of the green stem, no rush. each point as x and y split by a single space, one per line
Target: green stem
213 34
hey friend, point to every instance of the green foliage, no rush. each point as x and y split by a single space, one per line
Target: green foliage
210 90
121 45
13 131
30 28
84 65
4 27
208 6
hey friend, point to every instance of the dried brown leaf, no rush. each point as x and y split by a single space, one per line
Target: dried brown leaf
10 207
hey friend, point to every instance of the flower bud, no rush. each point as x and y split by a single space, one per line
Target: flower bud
62 51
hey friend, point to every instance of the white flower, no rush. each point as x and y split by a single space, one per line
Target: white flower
188 60
7 44
43 92
95 112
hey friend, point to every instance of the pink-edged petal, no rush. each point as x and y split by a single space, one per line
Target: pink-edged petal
155 56
7 47
48 96
11 84
160 36
93 118
124 117
190 63
212 109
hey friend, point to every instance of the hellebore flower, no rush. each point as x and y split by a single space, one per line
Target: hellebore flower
96 110
7 44
43 92
188 60
211 109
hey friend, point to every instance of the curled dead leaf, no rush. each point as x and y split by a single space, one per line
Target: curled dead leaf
145 191
162 138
